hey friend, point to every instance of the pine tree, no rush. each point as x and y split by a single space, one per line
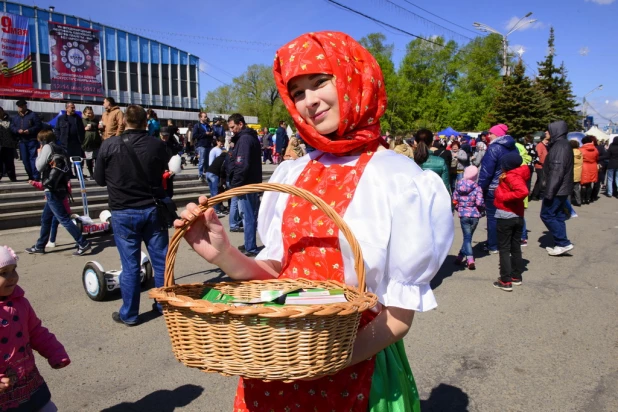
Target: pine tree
520 105
552 82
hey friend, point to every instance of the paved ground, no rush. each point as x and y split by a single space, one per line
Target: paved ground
551 345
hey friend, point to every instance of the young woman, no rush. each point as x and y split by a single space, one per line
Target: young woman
334 91
92 139
154 127
590 169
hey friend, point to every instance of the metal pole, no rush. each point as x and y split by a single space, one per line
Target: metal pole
504 51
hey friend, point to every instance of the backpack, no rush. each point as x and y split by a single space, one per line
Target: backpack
60 169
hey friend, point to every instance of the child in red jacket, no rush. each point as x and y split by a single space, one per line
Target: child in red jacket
22 387
509 202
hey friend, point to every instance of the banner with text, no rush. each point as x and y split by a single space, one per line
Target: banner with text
75 59
15 58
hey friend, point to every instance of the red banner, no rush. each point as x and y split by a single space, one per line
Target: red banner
15 58
75 59
30 93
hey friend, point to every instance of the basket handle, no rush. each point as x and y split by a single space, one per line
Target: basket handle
359 264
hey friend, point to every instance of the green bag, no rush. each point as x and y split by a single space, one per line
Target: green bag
392 387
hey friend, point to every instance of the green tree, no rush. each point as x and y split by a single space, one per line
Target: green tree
520 105
221 100
554 85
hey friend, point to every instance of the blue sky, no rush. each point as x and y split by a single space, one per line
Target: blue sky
229 36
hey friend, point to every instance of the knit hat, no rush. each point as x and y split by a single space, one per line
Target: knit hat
511 160
471 173
7 256
499 129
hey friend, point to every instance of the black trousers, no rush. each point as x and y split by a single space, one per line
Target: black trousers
509 248
576 196
537 191
7 162
586 193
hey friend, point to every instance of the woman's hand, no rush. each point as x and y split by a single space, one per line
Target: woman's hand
206 235
5 383
62 363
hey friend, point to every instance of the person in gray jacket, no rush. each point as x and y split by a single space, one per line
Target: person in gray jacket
558 177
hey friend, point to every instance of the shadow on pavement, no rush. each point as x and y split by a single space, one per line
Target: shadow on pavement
546 240
446 271
446 398
161 401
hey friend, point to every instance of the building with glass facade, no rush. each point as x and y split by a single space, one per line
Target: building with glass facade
135 70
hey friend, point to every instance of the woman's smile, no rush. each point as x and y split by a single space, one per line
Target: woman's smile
319 115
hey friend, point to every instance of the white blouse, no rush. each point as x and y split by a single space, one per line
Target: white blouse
400 215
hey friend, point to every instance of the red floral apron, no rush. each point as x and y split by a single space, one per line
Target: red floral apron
311 240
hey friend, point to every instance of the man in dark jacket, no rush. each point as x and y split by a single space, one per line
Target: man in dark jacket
25 125
267 146
499 144
558 176
245 169
218 129
612 167
202 141
135 217
70 131
281 140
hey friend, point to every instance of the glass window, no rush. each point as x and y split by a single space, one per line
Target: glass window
192 73
134 83
143 47
122 46
71 20
101 35
133 49
34 72
155 79
45 75
111 75
84 23
183 72
32 31
194 90
145 77
183 89
174 56
110 44
165 54
12 8
154 52
184 58
58 18
194 61
174 88
43 17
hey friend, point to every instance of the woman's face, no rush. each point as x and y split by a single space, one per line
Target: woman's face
89 114
316 99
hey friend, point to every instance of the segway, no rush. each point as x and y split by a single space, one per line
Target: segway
99 284
84 223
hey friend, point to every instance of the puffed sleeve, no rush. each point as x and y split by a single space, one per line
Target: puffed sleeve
422 232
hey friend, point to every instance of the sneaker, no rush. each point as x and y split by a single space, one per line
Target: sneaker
573 214
116 318
81 250
242 248
506 286
516 281
471 265
201 179
50 244
34 251
524 242
250 254
221 215
459 259
559 250
486 249
237 229
493 252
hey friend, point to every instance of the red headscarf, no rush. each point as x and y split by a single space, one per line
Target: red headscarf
359 82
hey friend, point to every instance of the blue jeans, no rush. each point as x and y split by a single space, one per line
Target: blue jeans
55 208
468 226
54 229
213 185
250 203
235 215
612 178
27 150
554 217
131 228
492 223
203 153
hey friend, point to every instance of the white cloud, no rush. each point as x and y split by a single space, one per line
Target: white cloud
525 26
203 66
601 2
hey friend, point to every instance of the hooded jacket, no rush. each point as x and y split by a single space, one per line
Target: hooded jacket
512 190
246 159
468 199
578 163
490 166
437 165
612 152
590 171
558 165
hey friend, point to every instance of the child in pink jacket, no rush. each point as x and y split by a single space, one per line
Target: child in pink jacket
55 223
21 385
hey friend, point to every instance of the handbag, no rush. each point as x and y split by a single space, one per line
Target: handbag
166 207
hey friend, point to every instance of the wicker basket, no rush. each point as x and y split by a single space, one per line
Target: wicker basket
263 342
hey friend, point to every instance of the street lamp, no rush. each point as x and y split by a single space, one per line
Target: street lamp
486 29
599 87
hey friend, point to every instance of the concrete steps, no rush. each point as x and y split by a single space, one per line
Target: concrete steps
21 205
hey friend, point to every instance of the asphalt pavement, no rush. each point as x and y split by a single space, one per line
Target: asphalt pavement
550 345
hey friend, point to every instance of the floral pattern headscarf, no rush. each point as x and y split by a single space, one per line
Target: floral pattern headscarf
359 82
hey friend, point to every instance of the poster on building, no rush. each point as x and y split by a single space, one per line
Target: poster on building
75 59
15 58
